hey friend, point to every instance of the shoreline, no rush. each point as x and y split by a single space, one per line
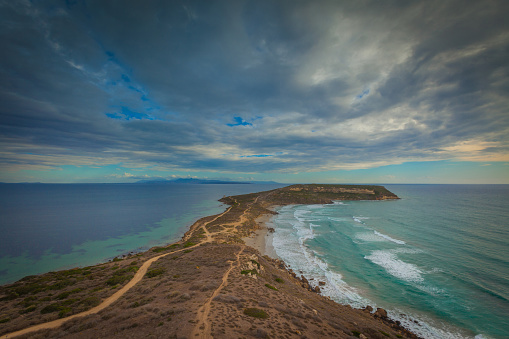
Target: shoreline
261 239
235 243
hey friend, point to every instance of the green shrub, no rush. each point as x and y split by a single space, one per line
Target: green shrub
4 320
117 279
271 287
253 271
63 295
174 246
188 251
255 312
61 284
356 333
155 272
69 302
64 312
189 244
28 309
256 263
159 249
279 280
51 308
384 333
91 301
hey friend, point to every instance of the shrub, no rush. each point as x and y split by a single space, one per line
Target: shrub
271 287
155 272
279 280
61 284
189 244
159 249
91 301
29 309
51 308
4 320
117 279
253 271
64 312
356 334
63 295
385 333
188 251
256 313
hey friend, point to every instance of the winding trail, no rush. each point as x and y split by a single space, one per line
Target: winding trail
203 328
114 297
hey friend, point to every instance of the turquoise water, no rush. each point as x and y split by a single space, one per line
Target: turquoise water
438 257
47 227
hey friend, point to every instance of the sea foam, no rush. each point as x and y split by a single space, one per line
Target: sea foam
400 242
389 261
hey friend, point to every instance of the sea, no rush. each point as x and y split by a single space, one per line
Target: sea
437 260
49 227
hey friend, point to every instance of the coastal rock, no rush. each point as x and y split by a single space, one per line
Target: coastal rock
317 289
381 313
321 283
368 309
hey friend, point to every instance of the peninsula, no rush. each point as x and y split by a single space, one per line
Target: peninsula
208 285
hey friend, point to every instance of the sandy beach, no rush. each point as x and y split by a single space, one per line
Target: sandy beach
261 239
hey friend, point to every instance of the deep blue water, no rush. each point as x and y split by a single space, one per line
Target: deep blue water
48 227
440 255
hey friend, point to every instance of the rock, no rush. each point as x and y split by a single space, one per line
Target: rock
321 283
303 278
263 304
368 309
362 336
317 289
381 313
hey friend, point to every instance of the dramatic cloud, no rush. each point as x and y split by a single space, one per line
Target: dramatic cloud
251 86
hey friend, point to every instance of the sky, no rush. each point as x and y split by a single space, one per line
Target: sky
291 91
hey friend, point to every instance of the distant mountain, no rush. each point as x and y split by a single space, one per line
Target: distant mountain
181 181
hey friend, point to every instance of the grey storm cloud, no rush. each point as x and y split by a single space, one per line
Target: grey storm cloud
252 86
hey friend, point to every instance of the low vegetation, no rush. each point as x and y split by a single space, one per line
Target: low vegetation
256 313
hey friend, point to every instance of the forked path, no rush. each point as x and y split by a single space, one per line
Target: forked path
111 299
137 278
202 328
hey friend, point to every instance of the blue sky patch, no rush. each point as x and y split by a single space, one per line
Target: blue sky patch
257 156
240 122
127 114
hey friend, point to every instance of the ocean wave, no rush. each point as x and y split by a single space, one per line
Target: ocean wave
400 242
396 267
368 237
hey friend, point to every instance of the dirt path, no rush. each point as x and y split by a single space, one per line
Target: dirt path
137 278
202 328
107 302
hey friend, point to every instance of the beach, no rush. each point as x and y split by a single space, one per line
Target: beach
261 239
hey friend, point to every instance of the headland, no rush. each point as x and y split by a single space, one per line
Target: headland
208 285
